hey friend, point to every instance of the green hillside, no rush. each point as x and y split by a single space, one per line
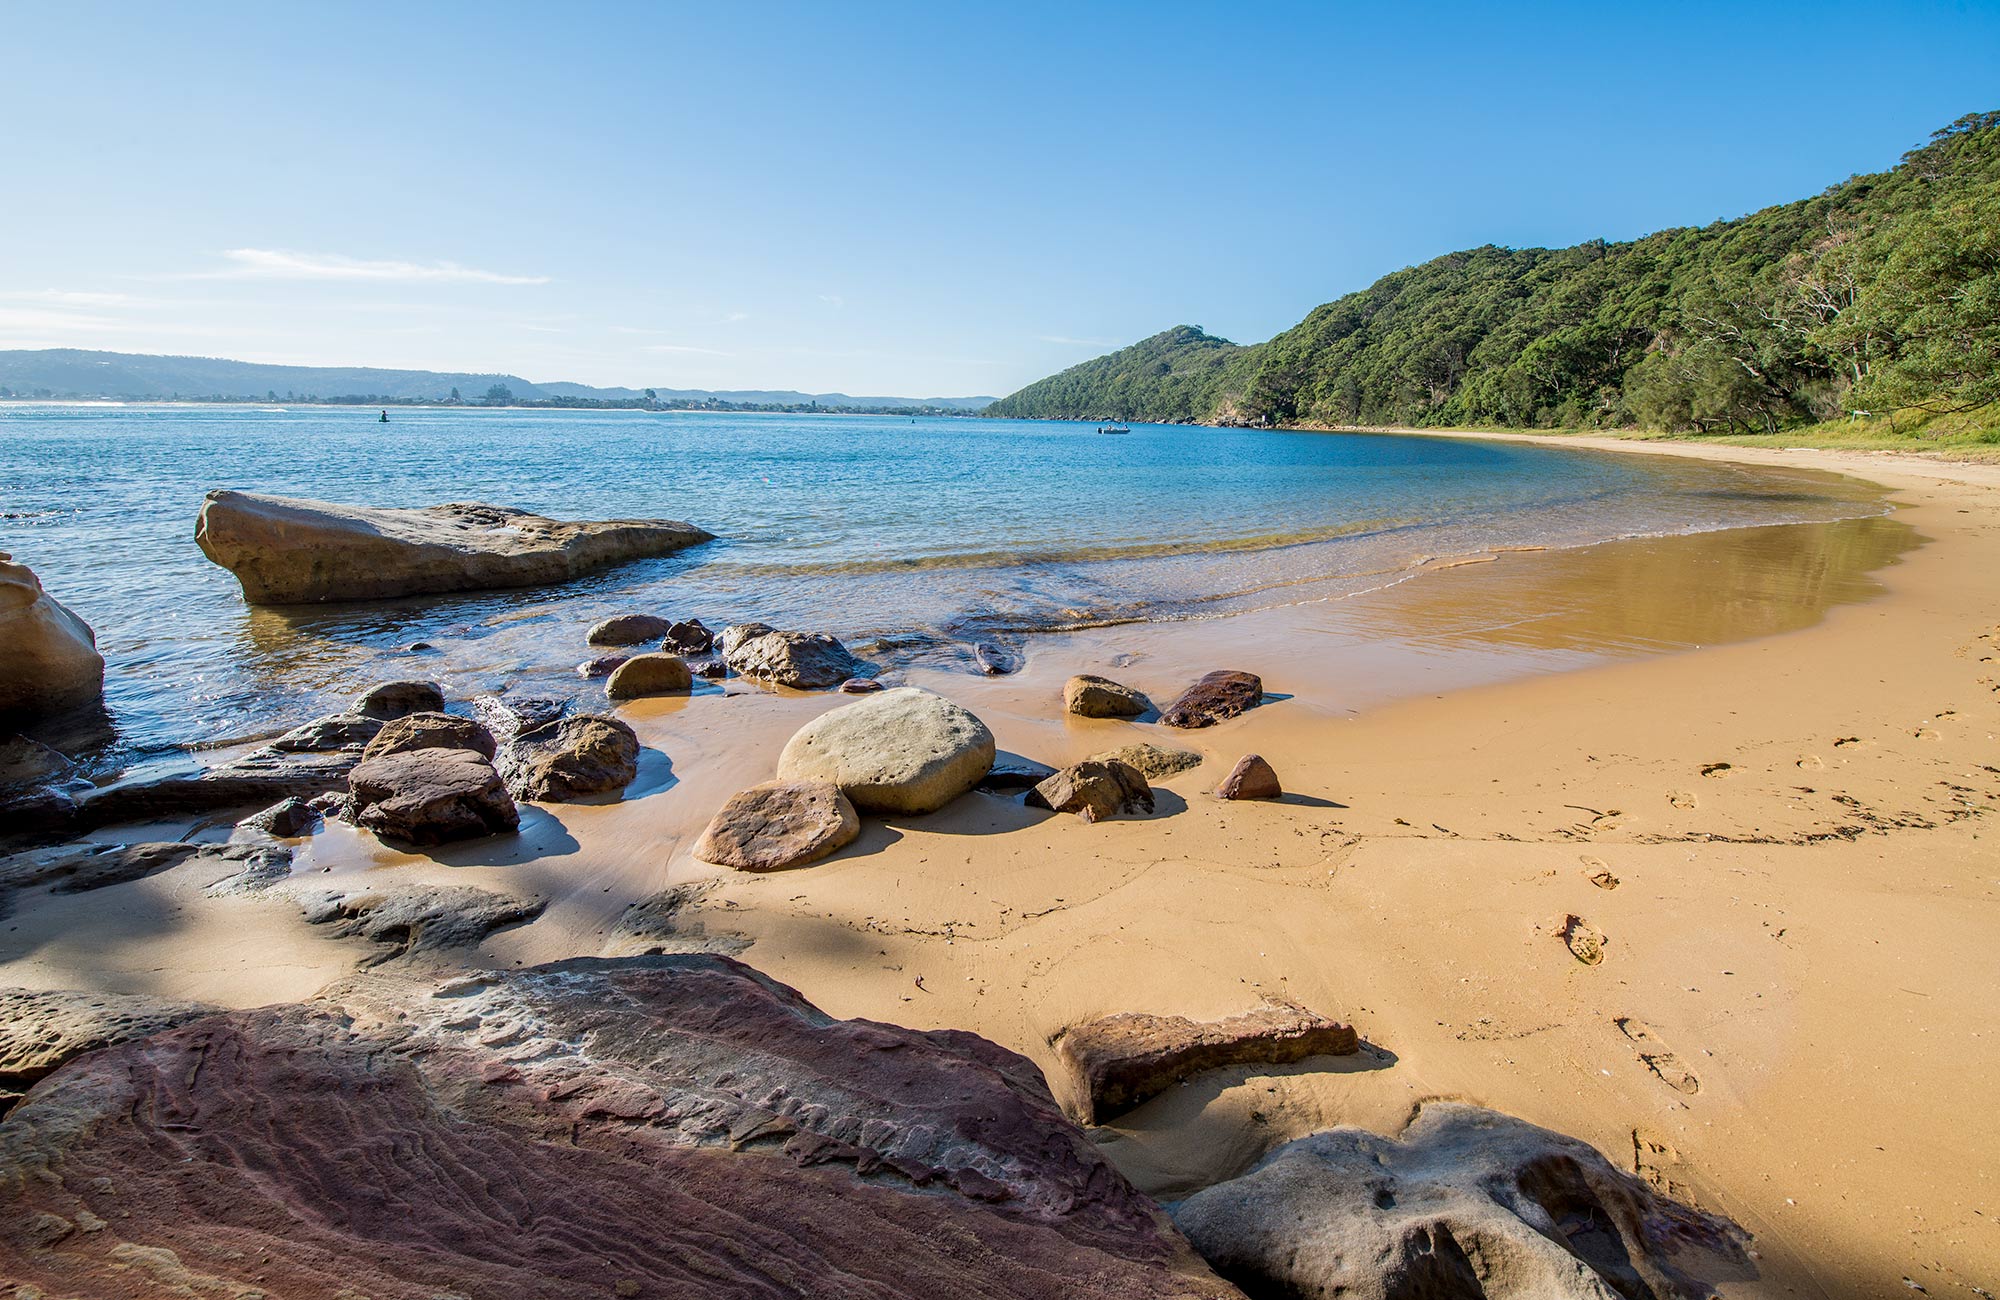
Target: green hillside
1882 293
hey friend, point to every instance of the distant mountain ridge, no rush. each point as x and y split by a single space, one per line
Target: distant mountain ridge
71 373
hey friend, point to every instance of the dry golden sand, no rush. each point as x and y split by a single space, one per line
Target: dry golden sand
1793 1020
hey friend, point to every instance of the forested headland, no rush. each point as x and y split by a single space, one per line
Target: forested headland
1880 295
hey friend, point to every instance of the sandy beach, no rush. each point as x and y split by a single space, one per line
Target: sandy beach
1761 763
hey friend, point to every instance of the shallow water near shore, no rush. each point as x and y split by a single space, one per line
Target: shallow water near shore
910 539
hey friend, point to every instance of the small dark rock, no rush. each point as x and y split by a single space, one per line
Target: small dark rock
688 637
992 660
1217 697
400 699
602 666
628 629
286 819
860 686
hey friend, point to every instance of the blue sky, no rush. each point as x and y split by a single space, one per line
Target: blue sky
922 199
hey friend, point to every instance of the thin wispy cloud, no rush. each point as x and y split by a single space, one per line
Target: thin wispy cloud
734 317
280 264
73 298
681 347
1066 341
833 300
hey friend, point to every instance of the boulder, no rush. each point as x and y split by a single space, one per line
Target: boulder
900 751
655 673
1155 762
40 1030
801 660
289 551
737 633
331 734
688 637
417 921
1466 1202
1251 778
713 670
572 758
507 716
416 731
601 666
1113 1064
392 700
1217 697
644 1127
253 780
784 824
429 796
1090 696
287 819
628 629
52 664
1094 790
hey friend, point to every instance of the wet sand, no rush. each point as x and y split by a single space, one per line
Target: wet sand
1792 1021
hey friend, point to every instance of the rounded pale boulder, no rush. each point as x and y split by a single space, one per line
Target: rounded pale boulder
901 751
1090 696
50 655
649 674
784 824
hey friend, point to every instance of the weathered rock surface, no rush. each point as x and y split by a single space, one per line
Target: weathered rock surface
785 824
1217 697
1155 762
286 819
52 664
654 673
1115 1063
1089 696
40 1030
289 551
737 633
417 921
507 716
601 666
392 700
1467 1202
628 629
802 660
860 686
429 731
26 764
77 868
253 780
430 796
669 921
1251 778
993 660
902 751
1094 790
330 734
690 636
572 758
647 1127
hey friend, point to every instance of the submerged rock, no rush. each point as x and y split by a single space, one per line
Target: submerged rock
572 758
1089 696
628 629
643 675
429 796
902 751
660 1127
1467 1202
1115 1063
430 731
288 551
801 660
786 824
1251 778
992 660
1094 790
50 655
40 1030
392 700
602 666
507 716
1217 697
1154 761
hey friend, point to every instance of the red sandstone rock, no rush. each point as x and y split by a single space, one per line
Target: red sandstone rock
1217 697
1251 778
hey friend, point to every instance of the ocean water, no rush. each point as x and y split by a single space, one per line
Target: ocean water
910 539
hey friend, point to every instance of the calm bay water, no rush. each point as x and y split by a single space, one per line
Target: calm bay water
920 535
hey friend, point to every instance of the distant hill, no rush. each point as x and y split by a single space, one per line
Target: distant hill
68 373
1883 292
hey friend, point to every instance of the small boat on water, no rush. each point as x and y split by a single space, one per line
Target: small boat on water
1112 428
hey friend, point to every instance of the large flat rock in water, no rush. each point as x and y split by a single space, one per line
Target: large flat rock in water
673 1126
289 551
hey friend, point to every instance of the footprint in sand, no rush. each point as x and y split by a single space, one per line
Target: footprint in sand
1844 741
1925 733
1586 941
1811 763
1716 770
1599 874
1681 799
1658 1057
